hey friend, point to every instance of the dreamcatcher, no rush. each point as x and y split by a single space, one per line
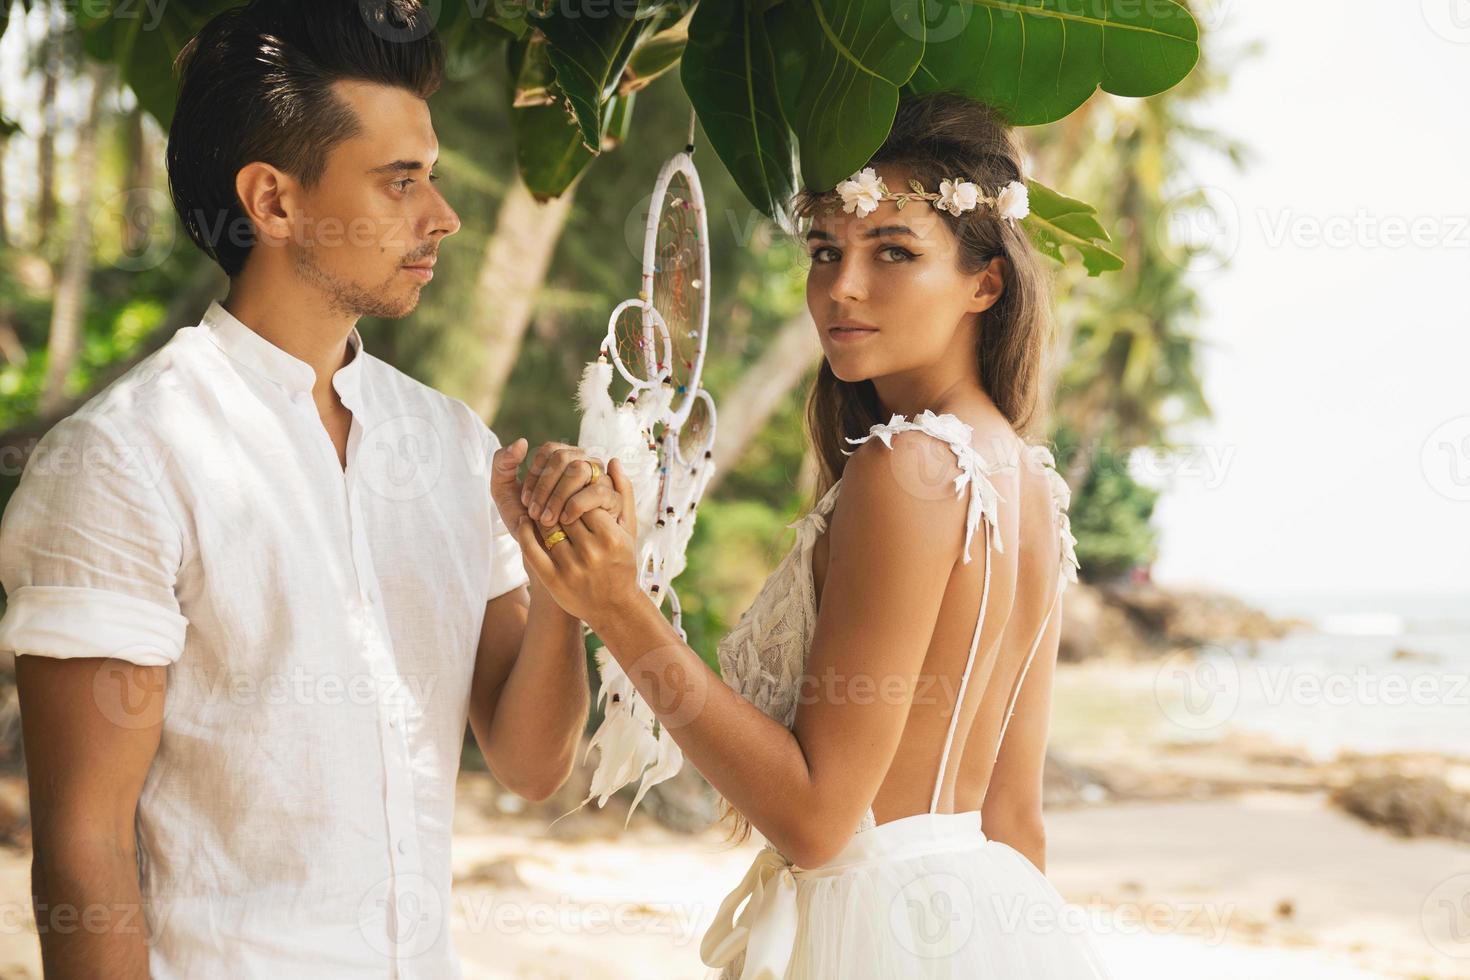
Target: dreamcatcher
662 428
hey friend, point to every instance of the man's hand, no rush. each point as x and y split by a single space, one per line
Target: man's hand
559 486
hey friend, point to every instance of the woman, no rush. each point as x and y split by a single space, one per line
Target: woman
869 688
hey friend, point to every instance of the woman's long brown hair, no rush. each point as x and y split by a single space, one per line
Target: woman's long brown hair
938 137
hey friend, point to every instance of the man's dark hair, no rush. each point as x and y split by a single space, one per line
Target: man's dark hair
255 85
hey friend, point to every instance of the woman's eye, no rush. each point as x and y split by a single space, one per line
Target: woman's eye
824 254
897 254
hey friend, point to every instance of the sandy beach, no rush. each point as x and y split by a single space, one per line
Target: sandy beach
1207 858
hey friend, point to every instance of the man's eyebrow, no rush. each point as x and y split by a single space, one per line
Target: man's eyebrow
399 166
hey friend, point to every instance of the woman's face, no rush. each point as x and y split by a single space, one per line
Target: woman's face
886 291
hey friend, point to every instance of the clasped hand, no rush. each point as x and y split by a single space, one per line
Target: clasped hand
594 568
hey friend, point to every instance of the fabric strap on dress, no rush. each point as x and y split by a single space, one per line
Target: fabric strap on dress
1035 645
954 718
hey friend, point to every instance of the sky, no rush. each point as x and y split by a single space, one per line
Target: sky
1338 348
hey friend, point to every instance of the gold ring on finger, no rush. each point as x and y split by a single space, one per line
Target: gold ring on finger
555 538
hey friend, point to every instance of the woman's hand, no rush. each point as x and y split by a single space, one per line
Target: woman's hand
593 571
563 483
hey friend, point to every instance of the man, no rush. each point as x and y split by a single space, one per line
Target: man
258 584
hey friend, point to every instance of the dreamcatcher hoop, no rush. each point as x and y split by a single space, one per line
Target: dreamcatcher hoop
679 164
647 433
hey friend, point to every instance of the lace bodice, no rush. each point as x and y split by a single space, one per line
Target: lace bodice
764 655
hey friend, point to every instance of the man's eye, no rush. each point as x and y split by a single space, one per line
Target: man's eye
402 185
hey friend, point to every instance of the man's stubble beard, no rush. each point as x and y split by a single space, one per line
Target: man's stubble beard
350 298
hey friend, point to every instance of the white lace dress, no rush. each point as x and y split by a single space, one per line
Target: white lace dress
922 897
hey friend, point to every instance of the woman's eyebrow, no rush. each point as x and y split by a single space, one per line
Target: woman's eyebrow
874 233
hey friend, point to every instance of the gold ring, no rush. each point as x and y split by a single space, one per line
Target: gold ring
596 472
555 538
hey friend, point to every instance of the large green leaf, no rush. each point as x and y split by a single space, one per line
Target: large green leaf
142 41
657 55
839 65
1037 60
550 150
729 77
591 42
1056 222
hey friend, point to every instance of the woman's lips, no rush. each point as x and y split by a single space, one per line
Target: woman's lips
850 333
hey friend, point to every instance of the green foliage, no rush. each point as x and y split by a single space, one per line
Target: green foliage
736 104
808 85
1111 513
1038 60
1056 222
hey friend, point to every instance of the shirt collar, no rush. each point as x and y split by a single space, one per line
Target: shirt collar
263 357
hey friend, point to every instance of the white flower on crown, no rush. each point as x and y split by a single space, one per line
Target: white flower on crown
861 192
957 196
1013 202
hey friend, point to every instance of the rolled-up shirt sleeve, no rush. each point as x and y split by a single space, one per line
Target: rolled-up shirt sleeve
507 569
90 552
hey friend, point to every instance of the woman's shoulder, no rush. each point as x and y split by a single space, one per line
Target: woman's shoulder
926 468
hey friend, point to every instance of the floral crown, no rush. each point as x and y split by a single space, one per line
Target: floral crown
861 193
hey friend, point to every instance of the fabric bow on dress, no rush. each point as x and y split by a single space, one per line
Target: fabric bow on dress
766 930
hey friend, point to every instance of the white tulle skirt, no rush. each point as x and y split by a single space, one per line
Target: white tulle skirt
923 897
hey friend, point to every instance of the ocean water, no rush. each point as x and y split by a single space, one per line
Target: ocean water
1374 673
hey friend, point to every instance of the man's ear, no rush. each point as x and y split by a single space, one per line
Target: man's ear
990 285
266 195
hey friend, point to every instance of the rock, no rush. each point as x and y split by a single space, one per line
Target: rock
1409 806
1092 627
1065 783
1404 653
1190 617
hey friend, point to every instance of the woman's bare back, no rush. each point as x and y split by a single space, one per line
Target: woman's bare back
1024 575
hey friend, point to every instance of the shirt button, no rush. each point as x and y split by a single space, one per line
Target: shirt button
392 722
402 845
